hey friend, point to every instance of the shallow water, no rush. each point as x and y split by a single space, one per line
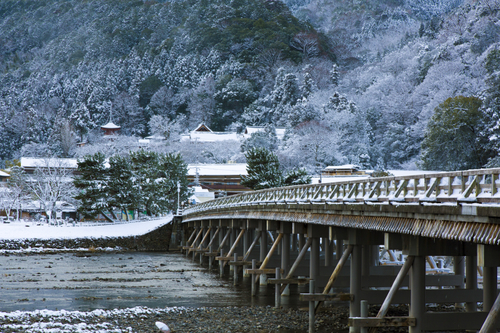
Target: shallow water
119 280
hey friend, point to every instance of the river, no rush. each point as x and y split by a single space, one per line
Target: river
75 281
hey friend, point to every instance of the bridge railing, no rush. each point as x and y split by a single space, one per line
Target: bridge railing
470 186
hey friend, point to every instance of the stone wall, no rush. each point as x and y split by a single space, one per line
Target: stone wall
156 240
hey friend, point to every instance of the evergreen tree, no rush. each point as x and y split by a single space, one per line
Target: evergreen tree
82 121
455 139
308 86
296 176
264 171
335 75
92 186
156 179
122 188
174 171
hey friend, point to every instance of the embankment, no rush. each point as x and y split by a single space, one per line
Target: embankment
156 240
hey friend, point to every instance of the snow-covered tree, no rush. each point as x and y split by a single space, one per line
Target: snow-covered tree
264 171
91 184
50 183
455 139
16 193
201 106
156 176
262 139
81 121
121 186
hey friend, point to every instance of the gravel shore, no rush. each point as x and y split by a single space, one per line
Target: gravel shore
180 320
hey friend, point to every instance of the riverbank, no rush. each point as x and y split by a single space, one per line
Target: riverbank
30 237
180 320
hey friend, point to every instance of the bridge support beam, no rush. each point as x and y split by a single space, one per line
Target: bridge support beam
263 249
471 280
355 284
417 285
315 232
489 259
286 230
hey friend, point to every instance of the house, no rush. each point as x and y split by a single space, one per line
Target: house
343 170
203 133
221 179
30 164
4 178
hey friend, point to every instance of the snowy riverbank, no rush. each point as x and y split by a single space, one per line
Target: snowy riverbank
29 237
30 230
202 320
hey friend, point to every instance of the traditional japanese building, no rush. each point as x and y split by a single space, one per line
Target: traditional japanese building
220 179
110 128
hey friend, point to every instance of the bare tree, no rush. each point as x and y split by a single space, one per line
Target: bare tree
307 43
17 193
52 182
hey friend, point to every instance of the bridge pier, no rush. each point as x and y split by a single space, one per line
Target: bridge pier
417 287
263 249
471 280
286 230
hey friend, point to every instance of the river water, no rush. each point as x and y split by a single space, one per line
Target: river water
91 281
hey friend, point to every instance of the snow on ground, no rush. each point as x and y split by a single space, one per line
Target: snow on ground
30 230
45 321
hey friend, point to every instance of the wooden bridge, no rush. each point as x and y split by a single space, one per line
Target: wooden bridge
336 236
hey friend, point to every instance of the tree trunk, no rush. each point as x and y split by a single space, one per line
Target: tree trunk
113 214
106 217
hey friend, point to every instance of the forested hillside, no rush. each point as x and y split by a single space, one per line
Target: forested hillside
354 81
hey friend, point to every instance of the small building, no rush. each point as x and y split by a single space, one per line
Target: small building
221 179
110 128
30 164
203 133
4 178
201 195
343 170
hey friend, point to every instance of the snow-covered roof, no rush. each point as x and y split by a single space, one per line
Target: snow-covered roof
229 169
343 167
155 137
202 128
249 130
110 125
211 136
34 162
4 174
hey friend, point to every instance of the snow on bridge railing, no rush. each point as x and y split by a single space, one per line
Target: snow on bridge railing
470 186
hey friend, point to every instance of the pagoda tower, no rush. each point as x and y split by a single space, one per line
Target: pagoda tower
110 128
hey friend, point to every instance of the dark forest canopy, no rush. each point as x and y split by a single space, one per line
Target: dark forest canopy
352 81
